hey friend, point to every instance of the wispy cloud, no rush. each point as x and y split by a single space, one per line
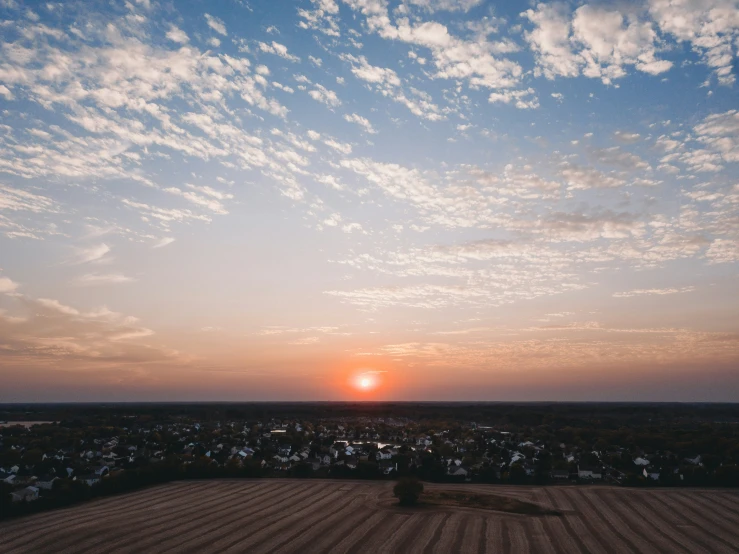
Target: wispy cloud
651 292
92 279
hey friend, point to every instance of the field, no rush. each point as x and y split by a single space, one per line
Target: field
351 516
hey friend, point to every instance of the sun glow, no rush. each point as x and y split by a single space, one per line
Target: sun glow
365 381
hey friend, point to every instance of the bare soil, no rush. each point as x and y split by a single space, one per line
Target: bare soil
311 516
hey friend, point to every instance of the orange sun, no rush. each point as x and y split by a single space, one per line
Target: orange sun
365 382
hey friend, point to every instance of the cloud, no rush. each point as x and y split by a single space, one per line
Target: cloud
46 333
6 92
594 41
710 26
579 177
617 157
720 133
325 96
163 242
517 97
650 292
91 279
17 200
445 5
339 146
361 121
6 285
386 82
278 49
209 200
216 24
723 251
626 137
322 19
95 253
177 35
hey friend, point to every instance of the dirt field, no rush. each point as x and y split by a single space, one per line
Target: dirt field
336 516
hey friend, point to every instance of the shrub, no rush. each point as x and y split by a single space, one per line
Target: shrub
407 490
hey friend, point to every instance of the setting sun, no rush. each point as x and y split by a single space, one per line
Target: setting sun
366 380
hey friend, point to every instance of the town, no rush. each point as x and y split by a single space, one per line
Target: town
114 450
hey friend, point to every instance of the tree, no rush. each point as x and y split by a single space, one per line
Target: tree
407 490
517 473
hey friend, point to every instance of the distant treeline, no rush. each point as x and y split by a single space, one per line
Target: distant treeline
610 414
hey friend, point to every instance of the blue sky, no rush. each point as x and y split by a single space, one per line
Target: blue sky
473 200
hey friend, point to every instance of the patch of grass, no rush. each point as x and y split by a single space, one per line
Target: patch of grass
464 499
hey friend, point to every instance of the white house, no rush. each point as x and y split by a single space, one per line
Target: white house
29 494
641 462
90 480
7 477
516 457
46 482
587 472
654 476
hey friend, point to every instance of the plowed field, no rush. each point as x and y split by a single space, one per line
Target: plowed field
350 516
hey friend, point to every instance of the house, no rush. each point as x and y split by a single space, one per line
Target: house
560 474
316 463
457 471
387 466
589 472
383 455
89 479
7 477
650 475
100 470
29 494
46 482
641 462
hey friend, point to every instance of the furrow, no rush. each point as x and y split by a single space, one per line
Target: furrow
418 541
67 530
434 539
445 543
191 537
370 525
68 516
715 531
562 529
274 537
684 525
605 517
133 529
470 538
349 523
235 534
581 522
493 535
651 531
518 535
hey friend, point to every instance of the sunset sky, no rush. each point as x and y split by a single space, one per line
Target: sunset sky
363 199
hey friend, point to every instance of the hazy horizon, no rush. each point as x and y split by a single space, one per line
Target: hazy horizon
438 200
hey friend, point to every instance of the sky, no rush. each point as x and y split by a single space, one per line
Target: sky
369 199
